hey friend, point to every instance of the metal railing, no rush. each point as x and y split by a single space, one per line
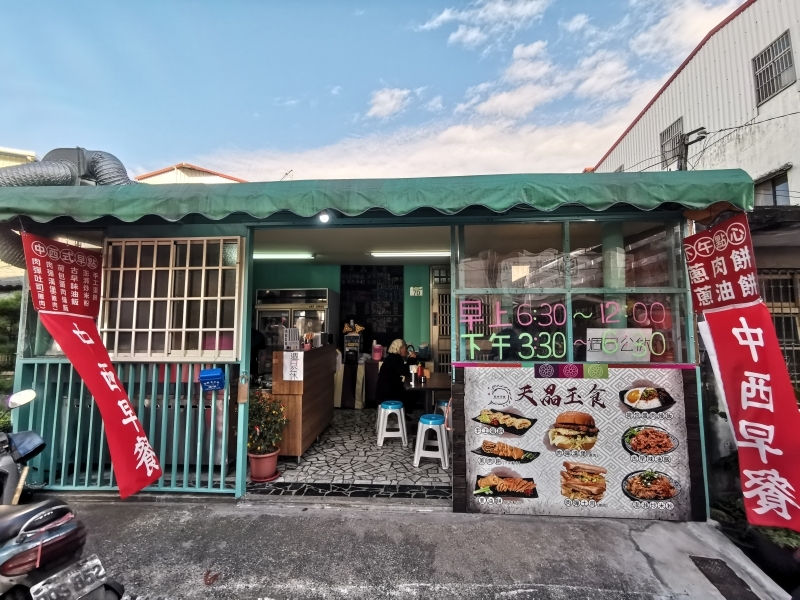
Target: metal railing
192 432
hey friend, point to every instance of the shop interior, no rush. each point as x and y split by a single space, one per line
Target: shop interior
395 284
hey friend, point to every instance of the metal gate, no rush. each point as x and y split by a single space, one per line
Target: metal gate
192 432
780 290
440 318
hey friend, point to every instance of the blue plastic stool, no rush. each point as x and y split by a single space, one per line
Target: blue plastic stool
435 423
391 407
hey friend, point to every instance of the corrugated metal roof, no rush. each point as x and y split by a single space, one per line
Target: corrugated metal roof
185 165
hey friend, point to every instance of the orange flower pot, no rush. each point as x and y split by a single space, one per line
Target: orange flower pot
264 467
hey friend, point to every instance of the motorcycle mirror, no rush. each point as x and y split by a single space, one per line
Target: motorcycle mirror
21 398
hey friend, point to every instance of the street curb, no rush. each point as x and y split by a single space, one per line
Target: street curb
141 498
339 503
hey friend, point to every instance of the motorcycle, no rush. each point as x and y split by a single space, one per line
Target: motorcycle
41 543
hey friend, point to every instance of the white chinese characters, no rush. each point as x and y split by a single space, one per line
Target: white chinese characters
773 492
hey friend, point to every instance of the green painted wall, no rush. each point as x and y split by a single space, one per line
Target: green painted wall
268 274
417 310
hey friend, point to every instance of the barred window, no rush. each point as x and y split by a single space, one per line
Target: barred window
774 69
671 143
172 298
779 289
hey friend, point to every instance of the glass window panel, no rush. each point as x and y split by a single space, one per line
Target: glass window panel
212 253
179 284
513 256
126 315
131 253
111 338
652 254
145 284
226 340
229 283
512 327
159 315
209 340
124 342
113 284
228 316
763 194
195 283
146 256
192 340
177 313
781 190
162 255
111 314
162 284
159 342
196 254
586 254
128 284
143 315
212 282
193 314
140 344
177 340
628 327
210 315
180 254
230 254
116 256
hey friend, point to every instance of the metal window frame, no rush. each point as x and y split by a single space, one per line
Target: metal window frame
170 353
770 64
669 142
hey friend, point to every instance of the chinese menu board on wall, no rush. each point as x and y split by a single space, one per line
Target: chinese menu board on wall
580 440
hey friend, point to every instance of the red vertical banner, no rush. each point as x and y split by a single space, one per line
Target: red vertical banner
65 290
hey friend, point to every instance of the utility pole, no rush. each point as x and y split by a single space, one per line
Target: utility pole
686 141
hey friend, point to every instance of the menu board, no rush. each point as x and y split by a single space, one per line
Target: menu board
571 439
373 297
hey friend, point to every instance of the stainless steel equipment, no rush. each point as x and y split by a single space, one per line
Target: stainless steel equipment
308 310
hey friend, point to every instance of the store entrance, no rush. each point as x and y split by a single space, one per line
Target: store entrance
344 297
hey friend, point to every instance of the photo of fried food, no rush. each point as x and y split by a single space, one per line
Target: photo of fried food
502 450
516 485
495 418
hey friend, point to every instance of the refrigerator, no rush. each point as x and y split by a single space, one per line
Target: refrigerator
309 310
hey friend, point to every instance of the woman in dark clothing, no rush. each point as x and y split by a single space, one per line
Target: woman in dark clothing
393 369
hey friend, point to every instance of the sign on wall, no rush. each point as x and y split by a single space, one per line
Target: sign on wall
588 440
293 366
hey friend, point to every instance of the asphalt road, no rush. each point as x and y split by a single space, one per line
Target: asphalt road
251 551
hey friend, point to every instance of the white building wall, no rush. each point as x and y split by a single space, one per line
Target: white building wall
185 175
10 157
716 90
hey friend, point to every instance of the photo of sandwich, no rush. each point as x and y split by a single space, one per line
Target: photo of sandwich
573 430
580 481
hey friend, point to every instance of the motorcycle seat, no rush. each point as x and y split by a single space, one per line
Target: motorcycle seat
13 517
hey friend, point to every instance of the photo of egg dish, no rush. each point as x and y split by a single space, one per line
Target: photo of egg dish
573 430
580 481
646 399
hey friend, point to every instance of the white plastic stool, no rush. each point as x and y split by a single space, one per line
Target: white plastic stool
391 407
428 423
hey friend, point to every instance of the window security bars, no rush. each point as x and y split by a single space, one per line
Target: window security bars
774 69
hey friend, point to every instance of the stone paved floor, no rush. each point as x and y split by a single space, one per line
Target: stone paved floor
347 452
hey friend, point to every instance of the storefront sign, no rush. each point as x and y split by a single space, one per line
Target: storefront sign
65 289
619 345
722 268
293 366
762 409
590 440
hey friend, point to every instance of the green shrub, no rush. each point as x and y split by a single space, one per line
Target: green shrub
266 420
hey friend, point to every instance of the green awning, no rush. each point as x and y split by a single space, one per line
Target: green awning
351 197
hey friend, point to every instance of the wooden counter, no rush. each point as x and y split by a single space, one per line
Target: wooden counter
308 403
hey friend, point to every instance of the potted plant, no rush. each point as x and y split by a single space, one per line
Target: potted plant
779 549
265 430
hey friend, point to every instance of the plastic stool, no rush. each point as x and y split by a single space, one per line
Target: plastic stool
443 406
428 423
391 407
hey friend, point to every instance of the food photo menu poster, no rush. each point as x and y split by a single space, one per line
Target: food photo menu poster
584 440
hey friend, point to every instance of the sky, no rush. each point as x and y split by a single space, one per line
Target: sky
339 89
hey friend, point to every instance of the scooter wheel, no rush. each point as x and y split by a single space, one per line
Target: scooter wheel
17 593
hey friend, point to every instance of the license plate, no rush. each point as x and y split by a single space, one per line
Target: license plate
73 582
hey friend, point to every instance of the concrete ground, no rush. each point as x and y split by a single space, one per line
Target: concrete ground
304 550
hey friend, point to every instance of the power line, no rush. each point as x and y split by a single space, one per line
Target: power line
756 122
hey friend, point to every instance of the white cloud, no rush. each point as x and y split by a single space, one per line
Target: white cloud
464 149
335 90
525 66
387 102
605 75
435 104
519 102
488 19
684 25
358 12
576 23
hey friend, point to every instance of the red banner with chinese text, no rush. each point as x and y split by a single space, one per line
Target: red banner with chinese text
721 265
65 290
762 410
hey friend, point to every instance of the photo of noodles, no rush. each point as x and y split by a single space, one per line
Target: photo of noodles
497 418
505 485
649 440
649 485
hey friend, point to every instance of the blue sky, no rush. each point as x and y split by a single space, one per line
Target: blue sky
340 89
